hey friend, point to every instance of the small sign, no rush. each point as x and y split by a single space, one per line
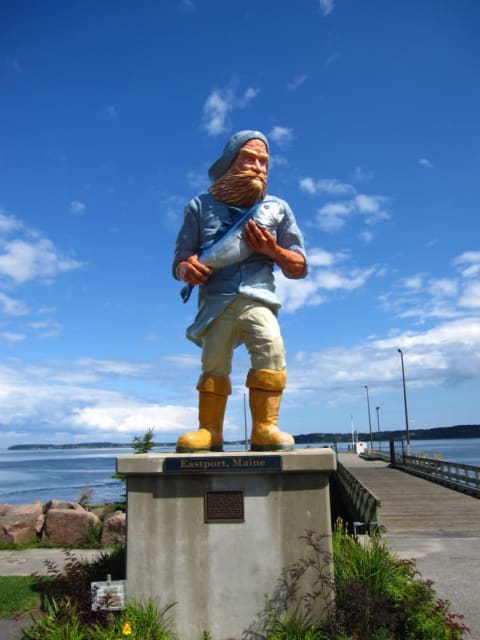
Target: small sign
195 464
224 506
108 595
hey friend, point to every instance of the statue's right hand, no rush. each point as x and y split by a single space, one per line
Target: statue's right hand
193 271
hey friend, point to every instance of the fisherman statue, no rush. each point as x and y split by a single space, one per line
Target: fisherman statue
230 240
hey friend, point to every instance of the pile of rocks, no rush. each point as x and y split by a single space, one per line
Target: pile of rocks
61 522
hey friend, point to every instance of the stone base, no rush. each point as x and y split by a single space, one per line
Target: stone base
213 532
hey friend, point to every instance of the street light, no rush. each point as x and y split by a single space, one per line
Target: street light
405 398
378 427
369 418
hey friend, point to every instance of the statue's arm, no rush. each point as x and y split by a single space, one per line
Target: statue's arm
292 263
186 265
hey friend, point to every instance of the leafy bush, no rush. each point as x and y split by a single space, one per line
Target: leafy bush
377 597
377 593
137 622
66 595
72 582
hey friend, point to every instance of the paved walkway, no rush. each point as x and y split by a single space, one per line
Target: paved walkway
26 562
435 525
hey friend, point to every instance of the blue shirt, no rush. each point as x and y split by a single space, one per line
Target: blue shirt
205 220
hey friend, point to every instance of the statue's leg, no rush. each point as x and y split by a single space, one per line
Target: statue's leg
267 377
212 400
266 387
213 386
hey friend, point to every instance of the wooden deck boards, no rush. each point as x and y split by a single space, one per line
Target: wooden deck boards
414 505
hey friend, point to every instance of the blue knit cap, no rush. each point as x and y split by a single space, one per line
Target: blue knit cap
220 166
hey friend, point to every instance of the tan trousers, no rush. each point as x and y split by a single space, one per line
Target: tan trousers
244 321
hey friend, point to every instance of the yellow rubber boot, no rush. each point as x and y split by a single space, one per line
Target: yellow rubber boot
213 393
266 388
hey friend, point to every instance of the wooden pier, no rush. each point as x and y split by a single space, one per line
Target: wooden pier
409 504
434 525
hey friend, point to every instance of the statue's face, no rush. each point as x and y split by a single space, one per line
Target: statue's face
252 159
245 181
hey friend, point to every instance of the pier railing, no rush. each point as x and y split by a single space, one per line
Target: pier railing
363 503
458 476
461 477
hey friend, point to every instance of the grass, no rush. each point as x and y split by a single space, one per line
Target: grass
17 595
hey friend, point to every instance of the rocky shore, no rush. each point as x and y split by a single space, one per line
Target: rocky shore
61 523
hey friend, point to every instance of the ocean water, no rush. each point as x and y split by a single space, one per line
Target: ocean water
43 475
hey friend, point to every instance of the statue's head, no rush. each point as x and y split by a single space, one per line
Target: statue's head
239 176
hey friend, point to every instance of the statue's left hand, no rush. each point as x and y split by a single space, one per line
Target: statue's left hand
260 240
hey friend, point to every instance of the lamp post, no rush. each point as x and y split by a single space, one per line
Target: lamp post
377 409
353 433
405 398
369 417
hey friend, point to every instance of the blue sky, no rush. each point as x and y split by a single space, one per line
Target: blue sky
110 115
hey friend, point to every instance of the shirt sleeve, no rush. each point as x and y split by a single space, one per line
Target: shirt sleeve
290 237
188 238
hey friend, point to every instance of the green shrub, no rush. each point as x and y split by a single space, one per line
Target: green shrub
139 621
72 582
380 596
377 597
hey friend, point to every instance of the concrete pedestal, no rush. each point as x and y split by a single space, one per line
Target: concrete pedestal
213 532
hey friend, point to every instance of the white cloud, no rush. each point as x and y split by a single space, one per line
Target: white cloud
362 173
187 6
23 260
28 255
11 307
366 237
331 186
414 283
425 297
277 161
75 395
443 287
281 135
218 106
442 356
133 417
326 6
333 216
470 297
328 274
468 263
45 329
76 207
8 223
425 162
295 294
322 258
249 95
297 82
12 337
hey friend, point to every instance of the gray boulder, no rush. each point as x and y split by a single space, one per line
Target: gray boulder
114 529
70 526
21 523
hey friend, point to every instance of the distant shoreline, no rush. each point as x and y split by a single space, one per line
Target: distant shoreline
436 433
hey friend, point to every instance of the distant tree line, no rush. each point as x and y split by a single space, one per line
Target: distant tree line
145 443
435 433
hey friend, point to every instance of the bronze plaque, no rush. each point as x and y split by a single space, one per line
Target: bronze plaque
224 506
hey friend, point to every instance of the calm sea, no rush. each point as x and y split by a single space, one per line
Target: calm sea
42 475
